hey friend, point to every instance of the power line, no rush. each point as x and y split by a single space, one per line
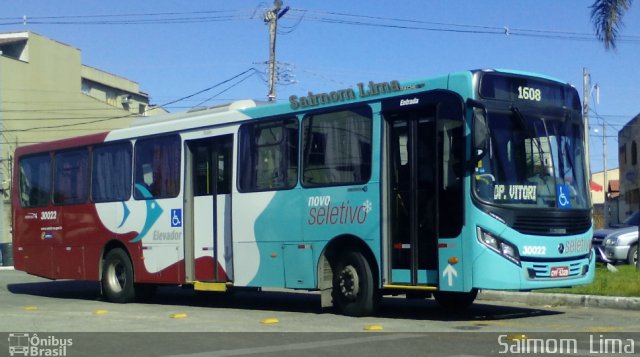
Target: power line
150 18
131 18
226 89
412 24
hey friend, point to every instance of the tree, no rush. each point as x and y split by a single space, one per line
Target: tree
607 19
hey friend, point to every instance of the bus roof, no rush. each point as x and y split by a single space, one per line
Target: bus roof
62 144
247 109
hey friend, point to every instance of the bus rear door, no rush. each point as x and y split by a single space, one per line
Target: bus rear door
208 248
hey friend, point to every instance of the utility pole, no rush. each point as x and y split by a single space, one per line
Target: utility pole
605 185
586 88
604 168
271 17
586 94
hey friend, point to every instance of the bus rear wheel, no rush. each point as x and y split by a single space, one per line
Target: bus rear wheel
117 277
354 290
455 300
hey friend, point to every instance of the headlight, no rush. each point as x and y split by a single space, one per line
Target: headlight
611 241
498 245
487 239
510 252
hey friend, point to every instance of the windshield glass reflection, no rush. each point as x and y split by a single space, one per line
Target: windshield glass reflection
534 160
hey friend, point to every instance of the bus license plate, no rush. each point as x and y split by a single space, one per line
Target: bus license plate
559 272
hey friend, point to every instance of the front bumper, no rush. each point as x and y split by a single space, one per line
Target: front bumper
616 252
601 256
504 275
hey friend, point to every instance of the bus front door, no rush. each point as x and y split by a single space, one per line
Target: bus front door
208 245
424 175
413 195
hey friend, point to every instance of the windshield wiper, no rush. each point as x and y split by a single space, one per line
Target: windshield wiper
533 135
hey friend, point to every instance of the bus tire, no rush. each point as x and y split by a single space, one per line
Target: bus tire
354 291
117 277
452 300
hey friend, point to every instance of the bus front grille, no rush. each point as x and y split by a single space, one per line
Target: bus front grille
552 224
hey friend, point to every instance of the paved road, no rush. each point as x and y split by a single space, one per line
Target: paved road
278 323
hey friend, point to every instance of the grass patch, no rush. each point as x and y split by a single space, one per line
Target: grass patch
625 282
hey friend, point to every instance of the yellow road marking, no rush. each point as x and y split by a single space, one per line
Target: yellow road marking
603 329
373 327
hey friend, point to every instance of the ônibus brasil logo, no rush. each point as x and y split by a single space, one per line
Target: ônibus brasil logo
32 345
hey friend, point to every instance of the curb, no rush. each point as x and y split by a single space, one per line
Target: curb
6 268
554 299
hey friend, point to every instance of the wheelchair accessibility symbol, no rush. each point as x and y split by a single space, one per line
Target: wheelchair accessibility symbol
176 217
563 199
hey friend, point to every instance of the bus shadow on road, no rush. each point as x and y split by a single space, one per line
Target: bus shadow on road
429 309
61 289
285 301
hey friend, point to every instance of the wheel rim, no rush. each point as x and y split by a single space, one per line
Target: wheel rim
349 282
116 277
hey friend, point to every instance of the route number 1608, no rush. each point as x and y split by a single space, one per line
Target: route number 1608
527 93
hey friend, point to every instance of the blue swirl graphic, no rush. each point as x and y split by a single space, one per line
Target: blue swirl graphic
153 212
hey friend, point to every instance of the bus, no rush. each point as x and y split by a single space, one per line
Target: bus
436 188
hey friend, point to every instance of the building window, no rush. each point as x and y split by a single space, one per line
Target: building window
337 148
634 153
14 48
268 155
86 87
623 154
111 178
112 98
157 167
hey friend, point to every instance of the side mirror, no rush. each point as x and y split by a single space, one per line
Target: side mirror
480 133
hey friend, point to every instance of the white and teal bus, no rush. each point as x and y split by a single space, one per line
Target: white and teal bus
437 187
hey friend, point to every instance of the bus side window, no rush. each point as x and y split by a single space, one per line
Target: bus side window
71 177
157 167
268 158
337 148
111 172
35 180
220 151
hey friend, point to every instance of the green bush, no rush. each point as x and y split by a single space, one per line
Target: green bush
624 282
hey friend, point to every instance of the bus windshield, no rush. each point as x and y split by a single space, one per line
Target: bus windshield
535 159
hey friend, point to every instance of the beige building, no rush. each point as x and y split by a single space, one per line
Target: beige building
46 93
598 191
629 158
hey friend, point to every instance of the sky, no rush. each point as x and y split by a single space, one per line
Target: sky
175 49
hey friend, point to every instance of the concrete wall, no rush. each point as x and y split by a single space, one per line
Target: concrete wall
629 166
41 99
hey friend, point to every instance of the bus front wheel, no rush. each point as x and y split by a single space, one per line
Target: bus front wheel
354 290
117 277
455 300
